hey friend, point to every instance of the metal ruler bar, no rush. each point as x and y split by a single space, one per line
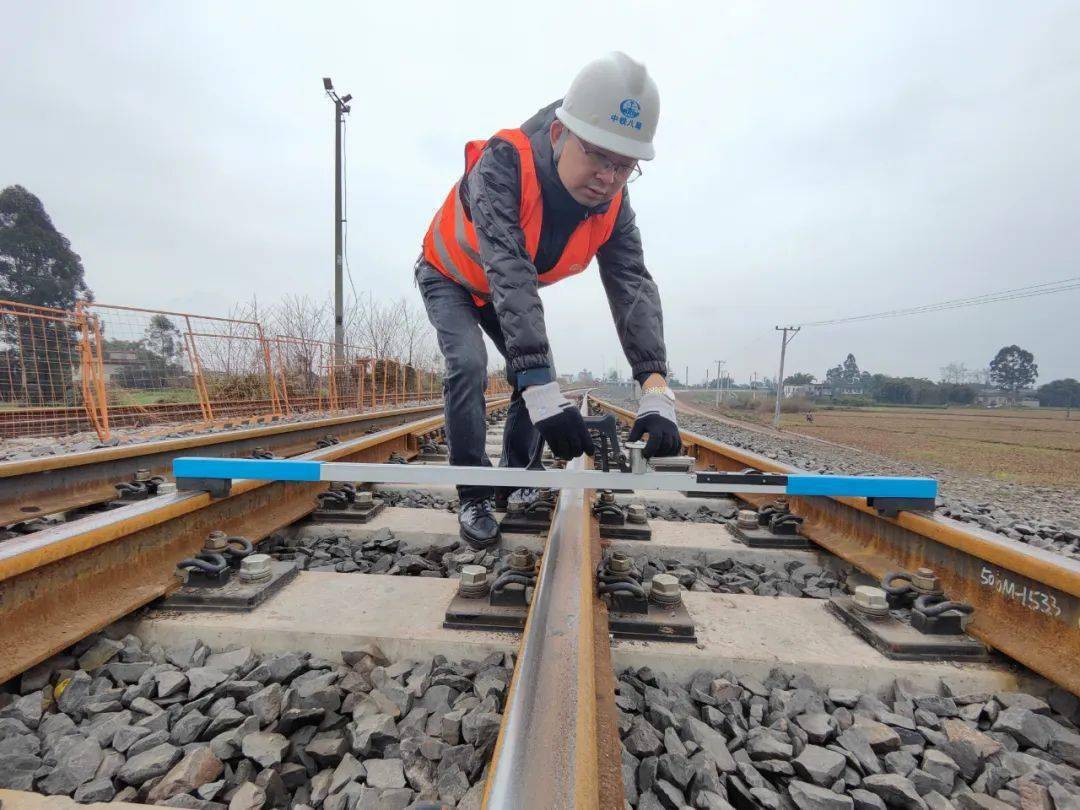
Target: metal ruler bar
766 484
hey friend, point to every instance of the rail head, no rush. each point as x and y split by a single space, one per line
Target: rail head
548 750
1026 600
24 554
1038 564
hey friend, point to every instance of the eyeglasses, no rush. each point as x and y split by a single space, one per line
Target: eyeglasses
601 163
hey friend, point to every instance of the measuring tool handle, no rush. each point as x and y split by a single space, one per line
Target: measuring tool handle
605 425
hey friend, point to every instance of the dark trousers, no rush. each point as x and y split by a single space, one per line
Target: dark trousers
458 321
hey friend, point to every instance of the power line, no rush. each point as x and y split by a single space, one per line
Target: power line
1030 291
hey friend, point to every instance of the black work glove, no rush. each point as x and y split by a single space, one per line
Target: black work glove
558 421
656 416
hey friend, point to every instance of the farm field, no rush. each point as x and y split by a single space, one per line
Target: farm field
1023 446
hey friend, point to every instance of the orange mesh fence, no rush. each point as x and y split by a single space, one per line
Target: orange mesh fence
161 366
497 385
105 366
310 378
46 385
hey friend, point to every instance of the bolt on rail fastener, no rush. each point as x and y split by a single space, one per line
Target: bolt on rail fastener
665 590
619 563
871 601
521 559
215 541
255 568
746 519
473 581
635 513
926 581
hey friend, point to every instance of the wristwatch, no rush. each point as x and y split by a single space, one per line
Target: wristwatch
664 391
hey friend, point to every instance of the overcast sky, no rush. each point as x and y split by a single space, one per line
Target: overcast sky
814 160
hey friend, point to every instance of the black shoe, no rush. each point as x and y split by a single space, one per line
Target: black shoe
478 525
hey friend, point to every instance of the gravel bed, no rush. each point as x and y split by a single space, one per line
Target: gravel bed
189 727
382 554
722 741
1043 517
426 499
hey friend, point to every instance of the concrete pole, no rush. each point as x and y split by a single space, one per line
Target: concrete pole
718 362
339 303
784 340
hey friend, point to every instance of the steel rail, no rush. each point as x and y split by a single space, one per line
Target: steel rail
1027 600
43 486
558 744
59 585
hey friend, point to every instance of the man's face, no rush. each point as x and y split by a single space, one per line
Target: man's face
592 175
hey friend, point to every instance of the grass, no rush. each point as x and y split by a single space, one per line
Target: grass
128 396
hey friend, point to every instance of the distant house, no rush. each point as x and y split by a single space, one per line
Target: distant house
826 390
797 390
115 361
997 398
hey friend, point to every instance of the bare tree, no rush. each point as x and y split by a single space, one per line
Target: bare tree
954 373
302 317
229 347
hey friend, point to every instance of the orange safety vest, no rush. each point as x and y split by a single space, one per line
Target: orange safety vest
450 244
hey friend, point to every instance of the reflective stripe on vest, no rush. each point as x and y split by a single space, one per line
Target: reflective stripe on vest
455 252
446 263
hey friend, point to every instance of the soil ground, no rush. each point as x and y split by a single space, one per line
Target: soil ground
1023 445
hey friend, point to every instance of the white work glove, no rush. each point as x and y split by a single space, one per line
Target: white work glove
656 416
558 421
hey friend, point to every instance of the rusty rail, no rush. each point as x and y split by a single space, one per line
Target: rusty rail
1027 600
50 484
59 585
558 746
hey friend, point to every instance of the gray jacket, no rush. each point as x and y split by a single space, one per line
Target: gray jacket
491 194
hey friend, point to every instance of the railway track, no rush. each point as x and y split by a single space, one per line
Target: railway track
41 486
50 421
774 703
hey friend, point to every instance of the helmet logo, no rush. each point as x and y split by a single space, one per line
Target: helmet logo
630 108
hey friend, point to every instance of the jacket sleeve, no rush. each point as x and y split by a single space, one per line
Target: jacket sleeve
492 198
633 296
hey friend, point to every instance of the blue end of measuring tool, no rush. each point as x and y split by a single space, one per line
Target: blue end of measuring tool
258 469
856 486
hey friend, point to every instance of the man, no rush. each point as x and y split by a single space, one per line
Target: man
534 205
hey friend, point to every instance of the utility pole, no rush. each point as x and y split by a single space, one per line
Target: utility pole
341 107
784 341
686 377
718 364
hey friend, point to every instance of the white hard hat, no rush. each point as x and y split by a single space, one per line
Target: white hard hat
614 104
